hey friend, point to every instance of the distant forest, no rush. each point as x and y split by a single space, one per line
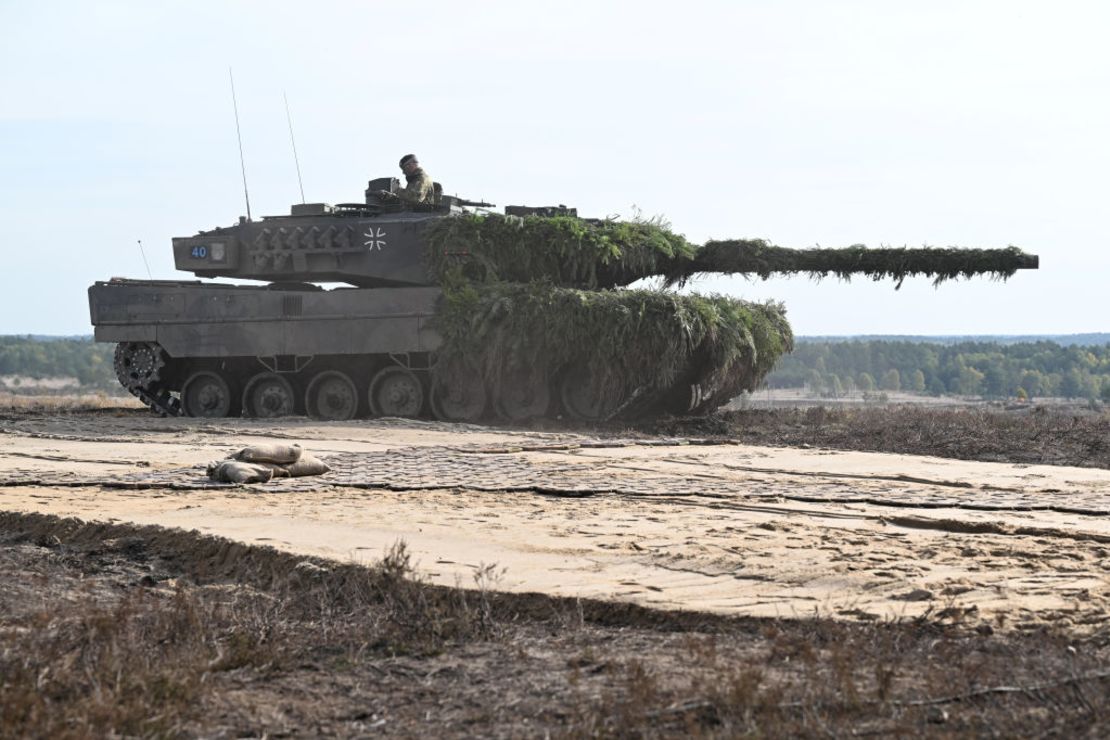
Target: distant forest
68 357
991 369
970 368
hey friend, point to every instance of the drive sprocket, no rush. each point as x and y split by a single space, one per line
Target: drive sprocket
138 367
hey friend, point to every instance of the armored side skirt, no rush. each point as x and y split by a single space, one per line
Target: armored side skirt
194 319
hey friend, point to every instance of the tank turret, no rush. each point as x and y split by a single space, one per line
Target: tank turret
449 309
378 243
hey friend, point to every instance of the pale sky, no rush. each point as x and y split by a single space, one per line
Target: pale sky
806 123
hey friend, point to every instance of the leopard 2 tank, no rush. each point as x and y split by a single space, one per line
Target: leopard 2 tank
451 310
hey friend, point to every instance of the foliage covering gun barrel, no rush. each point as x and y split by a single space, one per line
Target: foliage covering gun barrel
589 254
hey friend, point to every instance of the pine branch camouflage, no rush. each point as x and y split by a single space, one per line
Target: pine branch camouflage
541 293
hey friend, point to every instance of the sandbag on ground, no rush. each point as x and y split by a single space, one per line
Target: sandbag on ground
262 463
307 465
279 454
279 471
235 471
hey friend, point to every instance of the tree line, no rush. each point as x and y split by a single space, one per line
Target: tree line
80 358
987 369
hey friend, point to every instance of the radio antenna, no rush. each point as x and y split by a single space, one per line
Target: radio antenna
242 165
294 143
145 263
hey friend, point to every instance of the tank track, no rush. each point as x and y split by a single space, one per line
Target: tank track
138 367
143 368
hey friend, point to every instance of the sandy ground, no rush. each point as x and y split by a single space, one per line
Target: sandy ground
717 527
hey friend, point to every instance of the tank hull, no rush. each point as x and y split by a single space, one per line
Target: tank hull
212 350
191 319
204 349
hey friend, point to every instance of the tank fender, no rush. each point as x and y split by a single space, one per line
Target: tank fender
126 333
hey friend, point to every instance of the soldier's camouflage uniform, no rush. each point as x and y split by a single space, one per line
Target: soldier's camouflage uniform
418 189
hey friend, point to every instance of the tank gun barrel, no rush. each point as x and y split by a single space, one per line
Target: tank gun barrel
585 253
758 257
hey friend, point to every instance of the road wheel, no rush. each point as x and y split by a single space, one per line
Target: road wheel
458 393
207 394
522 394
396 391
583 398
269 395
331 396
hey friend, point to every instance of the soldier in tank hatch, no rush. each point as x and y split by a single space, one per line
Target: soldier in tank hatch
418 187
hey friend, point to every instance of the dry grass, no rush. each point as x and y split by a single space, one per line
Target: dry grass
133 668
140 662
113 630
67 403
819 678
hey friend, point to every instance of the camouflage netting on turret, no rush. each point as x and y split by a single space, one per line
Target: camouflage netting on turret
534 292
598 253
564 250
